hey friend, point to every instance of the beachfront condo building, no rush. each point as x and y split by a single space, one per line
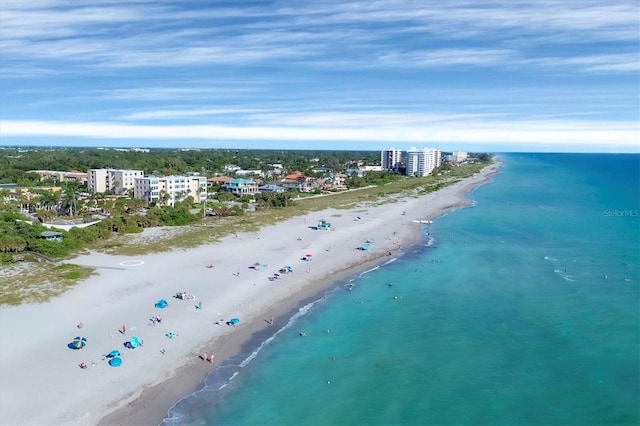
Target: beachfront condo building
167 190
421 162
116 180
391 159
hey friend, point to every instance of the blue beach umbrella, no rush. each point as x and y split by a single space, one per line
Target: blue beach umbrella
234 320
115 362
113 353
135 342
77 343
161 304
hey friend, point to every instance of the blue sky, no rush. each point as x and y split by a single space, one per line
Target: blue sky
490 75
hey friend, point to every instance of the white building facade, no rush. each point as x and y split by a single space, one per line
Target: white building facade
391 159
168 190
421 162
117 180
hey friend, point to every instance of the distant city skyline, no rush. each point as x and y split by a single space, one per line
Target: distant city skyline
495 76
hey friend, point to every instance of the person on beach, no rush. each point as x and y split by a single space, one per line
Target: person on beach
211 358
80 325
205 357
124 329
199 307
271 321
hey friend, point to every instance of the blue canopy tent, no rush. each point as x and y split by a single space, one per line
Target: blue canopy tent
161 304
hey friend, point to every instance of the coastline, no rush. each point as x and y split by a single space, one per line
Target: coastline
157 381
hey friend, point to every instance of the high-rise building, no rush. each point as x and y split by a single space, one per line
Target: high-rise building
421 162
390 159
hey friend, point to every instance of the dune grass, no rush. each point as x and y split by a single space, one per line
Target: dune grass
37 282
40 282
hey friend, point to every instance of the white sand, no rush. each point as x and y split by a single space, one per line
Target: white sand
40 381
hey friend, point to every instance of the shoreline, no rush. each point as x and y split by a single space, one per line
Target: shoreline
154 377
152 406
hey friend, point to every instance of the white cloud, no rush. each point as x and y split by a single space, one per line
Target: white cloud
564 134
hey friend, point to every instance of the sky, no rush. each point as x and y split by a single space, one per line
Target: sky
483 75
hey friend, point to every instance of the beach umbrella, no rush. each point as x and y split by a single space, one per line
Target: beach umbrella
78 343
135 342
234 320
113 353
115 362
161 304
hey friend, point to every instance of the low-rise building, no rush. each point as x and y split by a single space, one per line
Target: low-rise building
241 186
271 187
60 176
168 190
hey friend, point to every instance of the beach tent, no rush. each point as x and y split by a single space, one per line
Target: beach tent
77 343
161 304
113 353
323 225
115 362
170 334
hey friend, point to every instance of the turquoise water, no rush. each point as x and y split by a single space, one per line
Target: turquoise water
520 310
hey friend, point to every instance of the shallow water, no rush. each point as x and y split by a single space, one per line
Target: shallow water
520 310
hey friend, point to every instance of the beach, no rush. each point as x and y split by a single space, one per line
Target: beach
41 382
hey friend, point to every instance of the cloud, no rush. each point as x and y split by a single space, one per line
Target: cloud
351 34
564 134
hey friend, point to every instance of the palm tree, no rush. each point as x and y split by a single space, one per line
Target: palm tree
164 197
70 200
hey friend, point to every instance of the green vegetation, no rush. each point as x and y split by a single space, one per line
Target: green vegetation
15 162
22 241
41 282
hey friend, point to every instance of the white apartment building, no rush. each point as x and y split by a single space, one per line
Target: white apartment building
116 180
421 162
170 189
390 159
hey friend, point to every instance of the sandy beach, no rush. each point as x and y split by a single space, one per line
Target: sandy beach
40 378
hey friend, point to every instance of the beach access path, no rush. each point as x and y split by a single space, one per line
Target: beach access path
40 378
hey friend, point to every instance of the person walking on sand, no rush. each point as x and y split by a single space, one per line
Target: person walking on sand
124 329
271 321
211 358
199 305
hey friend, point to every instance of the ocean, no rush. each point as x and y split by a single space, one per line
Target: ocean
522 309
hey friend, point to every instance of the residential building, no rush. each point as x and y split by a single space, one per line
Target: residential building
168 190
271 187
61 176
241 186
421 162
391 159
298 181
457 157
116 180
